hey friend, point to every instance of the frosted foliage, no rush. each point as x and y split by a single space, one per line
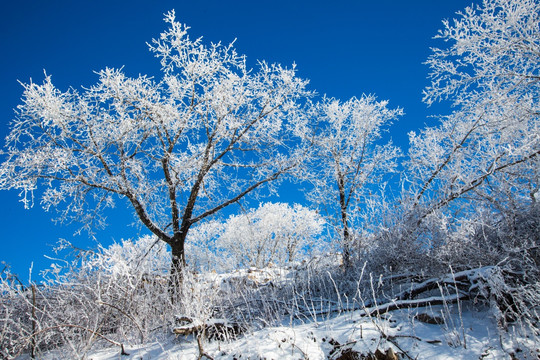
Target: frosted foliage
350 159
203 249
146 255
175 149
491 55
471 181
490 144
274 233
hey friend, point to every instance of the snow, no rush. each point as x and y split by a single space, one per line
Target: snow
452 330
324 339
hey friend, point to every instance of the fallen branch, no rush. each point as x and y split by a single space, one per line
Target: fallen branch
400 304
214 328
466 280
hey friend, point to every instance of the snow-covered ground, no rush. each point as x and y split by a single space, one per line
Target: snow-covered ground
470 334
455 329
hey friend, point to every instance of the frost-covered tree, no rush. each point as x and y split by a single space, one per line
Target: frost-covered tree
273 233
474 175
488 147
177 150
348 159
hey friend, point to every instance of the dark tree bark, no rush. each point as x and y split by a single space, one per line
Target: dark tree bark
347 262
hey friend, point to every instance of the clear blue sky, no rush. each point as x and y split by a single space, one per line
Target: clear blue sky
345 48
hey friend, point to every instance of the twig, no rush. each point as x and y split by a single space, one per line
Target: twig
200 346
28 338
394 342
459 310
126 315
34 324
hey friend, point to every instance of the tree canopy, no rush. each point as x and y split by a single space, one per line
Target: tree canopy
177 149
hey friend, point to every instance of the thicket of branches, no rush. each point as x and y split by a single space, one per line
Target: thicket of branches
273 234
463 224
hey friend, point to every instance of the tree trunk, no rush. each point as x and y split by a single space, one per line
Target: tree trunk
343 204
347 261
178 264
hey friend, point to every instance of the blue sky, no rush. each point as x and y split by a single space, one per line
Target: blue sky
345 48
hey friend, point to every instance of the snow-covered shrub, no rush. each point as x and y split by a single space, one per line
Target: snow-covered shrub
203 248
511 244
119 295
15 314
111 294
274 233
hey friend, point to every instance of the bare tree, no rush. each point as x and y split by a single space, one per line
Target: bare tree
348 159
178 150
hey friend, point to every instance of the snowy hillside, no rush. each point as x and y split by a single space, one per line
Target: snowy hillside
350 336
421 321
